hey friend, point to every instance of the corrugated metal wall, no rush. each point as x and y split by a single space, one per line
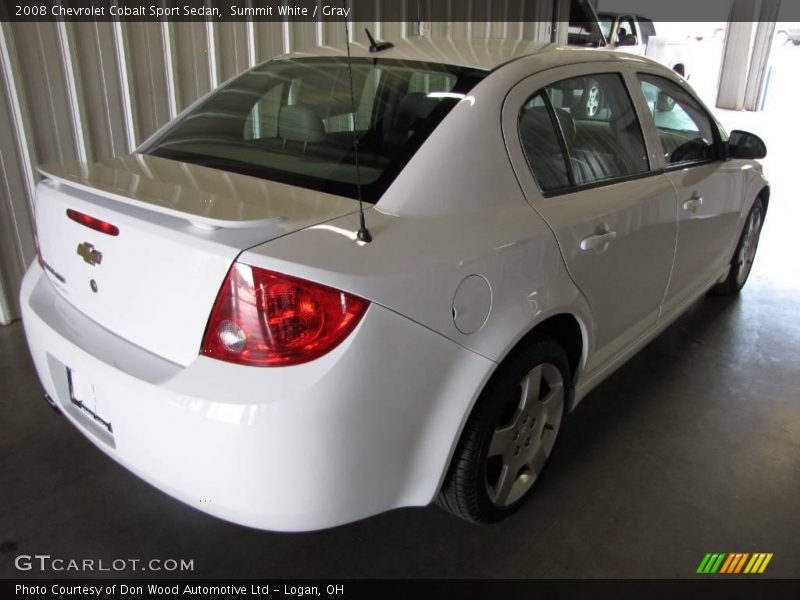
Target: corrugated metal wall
89 91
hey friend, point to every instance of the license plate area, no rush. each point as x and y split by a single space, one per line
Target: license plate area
82 396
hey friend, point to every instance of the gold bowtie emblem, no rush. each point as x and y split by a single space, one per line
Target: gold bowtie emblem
87 252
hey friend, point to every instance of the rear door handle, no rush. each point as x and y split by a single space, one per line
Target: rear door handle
598 241
693 203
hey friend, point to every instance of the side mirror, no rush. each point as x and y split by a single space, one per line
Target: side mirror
628 40
742 144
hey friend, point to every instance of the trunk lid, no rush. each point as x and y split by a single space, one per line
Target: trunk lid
180 228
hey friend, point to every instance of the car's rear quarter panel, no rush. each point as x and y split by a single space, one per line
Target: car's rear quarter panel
364 429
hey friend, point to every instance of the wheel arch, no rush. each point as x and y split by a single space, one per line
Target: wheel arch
568 330
565 328
764 194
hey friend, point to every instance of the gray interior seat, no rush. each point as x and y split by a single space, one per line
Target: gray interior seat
542 147
299 124
411 110
593 156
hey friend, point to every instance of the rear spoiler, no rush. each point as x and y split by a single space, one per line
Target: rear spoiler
131 180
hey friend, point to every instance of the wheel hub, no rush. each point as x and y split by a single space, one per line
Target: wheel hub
521 447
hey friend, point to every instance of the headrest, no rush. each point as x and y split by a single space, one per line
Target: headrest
412 107
298 124
536 123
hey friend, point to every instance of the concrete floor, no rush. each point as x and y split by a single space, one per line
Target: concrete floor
692 447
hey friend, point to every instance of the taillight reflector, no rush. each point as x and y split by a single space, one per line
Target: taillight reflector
267 319
92 222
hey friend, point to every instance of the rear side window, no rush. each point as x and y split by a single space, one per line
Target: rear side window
542 146
295 121
597 133
686 131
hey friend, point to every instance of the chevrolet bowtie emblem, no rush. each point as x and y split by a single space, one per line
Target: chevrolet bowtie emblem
87 252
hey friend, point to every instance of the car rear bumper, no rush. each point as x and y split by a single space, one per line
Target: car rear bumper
367 428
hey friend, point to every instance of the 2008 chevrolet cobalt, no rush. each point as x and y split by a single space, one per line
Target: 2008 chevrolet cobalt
213 314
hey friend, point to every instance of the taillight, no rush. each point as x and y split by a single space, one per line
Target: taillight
268 319
92 222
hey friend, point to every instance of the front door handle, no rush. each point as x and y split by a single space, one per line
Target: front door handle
598 241
693 203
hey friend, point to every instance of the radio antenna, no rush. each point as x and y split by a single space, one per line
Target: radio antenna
363 234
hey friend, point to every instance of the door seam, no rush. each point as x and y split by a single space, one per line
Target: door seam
674 249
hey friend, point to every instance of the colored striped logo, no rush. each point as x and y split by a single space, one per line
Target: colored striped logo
737 562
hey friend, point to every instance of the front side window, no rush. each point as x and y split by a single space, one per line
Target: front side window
686 132
598 132
626 28
647 28
295 121
606 24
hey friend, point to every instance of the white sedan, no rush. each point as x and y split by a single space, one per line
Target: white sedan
211 311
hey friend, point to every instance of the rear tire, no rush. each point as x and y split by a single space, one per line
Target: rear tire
745 254
510 435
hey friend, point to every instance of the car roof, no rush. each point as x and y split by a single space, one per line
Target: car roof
485 53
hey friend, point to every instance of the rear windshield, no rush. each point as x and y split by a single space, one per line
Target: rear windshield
293 121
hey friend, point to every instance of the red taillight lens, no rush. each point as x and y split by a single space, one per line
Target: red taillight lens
92 223
268 319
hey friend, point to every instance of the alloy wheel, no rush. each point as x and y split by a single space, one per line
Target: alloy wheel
593 101
747 250
521 445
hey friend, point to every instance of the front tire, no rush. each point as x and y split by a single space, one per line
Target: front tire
510 435
745 254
